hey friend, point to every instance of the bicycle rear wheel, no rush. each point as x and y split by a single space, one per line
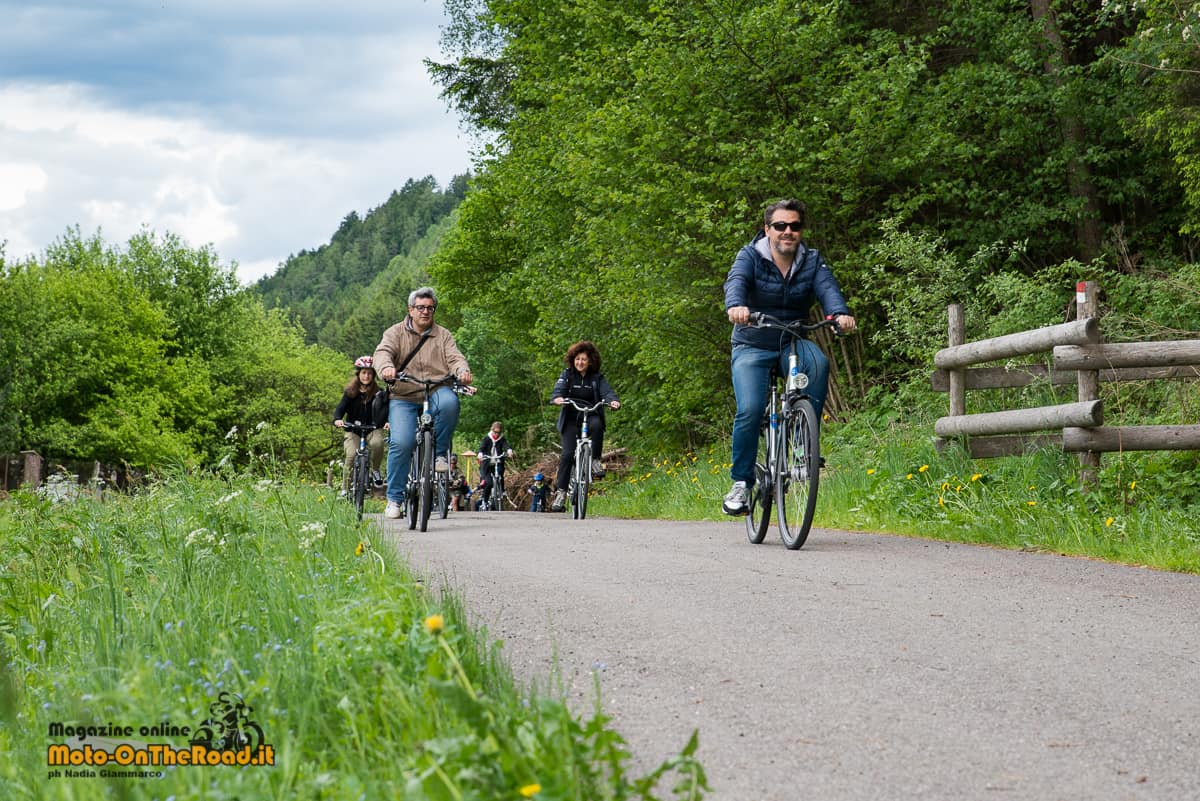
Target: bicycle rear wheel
426 477
800 462
583 480
761 494
359 481
441 495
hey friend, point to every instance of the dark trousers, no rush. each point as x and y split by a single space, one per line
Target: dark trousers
570 434
487 480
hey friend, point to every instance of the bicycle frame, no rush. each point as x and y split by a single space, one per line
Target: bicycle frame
582 473
496 500
420 490
790 472
362 464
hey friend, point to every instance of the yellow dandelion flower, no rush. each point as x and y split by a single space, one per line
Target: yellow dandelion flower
1133 485
434 624
530 790
695 479
870 471
360 549
977 476
1109 521
909 476
941 500
1031 503
958 488
1032 488
923 468
320 499
945 486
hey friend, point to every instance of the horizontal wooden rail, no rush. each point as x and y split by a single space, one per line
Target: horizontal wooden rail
1079 332
1112 439
1127 354
1024 375
1086 414
1015 445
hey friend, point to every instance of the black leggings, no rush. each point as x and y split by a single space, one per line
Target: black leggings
570 434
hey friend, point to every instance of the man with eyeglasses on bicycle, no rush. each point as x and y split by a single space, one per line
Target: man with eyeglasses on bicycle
776 274
430 352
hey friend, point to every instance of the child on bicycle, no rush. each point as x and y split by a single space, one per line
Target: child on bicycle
356 407
582 381
494 445
538 491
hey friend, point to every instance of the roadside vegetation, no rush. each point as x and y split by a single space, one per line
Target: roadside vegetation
142 609
885 475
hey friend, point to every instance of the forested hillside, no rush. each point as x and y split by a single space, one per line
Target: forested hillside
986 152
345 293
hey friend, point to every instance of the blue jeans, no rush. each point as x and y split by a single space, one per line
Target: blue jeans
751 368
402 417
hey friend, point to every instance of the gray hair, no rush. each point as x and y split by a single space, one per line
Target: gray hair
421 292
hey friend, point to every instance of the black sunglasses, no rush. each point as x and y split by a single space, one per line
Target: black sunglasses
786 226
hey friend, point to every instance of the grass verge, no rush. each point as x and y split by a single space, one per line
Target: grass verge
149 612
888 477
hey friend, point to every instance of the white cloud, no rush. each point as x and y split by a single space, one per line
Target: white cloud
254 126
17 181
256 198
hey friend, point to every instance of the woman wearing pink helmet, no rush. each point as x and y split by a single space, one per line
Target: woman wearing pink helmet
356 407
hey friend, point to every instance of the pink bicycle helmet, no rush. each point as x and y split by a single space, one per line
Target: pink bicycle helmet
364 361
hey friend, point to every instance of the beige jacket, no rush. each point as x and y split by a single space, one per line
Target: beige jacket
438 357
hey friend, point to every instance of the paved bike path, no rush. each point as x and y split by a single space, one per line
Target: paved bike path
861 667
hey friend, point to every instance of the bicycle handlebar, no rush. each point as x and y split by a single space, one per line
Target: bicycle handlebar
360 428
797 327
449 380
583 408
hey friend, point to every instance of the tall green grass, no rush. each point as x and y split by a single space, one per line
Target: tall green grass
886 476
143 609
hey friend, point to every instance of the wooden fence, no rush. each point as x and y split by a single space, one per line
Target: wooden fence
1080 358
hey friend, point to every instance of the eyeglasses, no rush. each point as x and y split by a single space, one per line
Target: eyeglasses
788 226
424 309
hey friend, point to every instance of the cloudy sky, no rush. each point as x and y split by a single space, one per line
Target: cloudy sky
253 125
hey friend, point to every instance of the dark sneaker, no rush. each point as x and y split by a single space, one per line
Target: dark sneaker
598 470
376 479
559 504
736 500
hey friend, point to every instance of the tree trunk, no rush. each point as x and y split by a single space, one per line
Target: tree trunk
1079 176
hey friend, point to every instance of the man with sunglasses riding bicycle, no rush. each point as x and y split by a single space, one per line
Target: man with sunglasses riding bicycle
776 274
422 349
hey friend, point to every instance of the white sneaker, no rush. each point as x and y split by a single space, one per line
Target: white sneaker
598 468
736 499
441 465
393 510
343 493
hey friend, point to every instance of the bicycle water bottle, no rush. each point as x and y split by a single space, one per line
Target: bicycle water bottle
796 379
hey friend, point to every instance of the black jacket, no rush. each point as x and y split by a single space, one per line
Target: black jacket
587 389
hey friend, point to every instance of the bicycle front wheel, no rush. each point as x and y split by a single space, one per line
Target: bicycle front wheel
426 477
412 488
360 478
759 519
800 463
583 480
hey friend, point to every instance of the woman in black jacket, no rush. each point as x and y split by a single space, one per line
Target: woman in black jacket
582 381
355 406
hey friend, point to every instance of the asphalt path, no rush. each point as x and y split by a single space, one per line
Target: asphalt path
861 667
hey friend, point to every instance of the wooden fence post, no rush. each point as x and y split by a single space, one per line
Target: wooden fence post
1087 305
33 469
958 377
